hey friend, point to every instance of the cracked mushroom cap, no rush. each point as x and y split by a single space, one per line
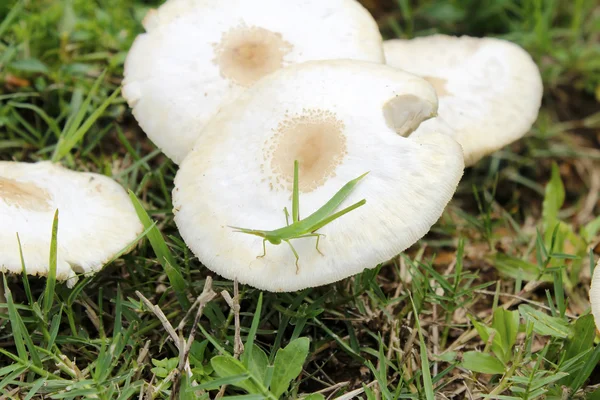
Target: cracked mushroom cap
198 55
339 119
595 295
489 90
96 219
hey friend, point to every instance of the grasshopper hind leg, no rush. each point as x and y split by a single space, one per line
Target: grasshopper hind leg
318 236
295 255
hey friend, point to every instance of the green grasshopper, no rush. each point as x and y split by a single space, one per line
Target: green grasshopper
308 226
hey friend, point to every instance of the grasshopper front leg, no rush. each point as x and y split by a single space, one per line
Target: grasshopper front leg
264 249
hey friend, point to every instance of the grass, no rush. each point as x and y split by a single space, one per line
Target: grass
492 303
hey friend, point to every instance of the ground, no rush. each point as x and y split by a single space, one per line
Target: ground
494 300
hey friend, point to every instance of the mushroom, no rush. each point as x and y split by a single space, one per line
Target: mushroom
96 219
489 90
595 295
198 55
339 119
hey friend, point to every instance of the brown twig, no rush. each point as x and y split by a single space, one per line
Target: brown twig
183 345
238 345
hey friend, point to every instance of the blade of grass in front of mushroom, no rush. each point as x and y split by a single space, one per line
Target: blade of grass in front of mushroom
163 253
308 226
51 281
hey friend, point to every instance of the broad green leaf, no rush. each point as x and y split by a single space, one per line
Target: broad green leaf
485 332
314 396
258 363
160 372
447 357
544 324
506 324
197 352
519 269
215 384
227 366
30 65
584 332
591 229
482 362
288 365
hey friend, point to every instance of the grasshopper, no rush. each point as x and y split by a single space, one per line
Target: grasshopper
308 226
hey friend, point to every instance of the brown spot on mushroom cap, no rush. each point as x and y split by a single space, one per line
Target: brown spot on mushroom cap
24 195
316 139
439 84
246 54
405 113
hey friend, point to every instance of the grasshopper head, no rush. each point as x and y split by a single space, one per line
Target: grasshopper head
259 233
254 232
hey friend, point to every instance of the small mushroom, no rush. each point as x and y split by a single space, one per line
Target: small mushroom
595 295
197 55
339 119
489 90
96 219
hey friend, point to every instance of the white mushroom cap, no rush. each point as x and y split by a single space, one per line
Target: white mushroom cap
595 295
200 54
489 90
96 219
339 119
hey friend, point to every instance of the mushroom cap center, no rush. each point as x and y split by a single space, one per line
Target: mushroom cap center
24 195
246 54
316 139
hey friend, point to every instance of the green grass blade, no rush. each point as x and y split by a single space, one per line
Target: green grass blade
49 121
15 322
51 280
12 14
427 382
66 144
164 255
34 389
247 354
26 285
